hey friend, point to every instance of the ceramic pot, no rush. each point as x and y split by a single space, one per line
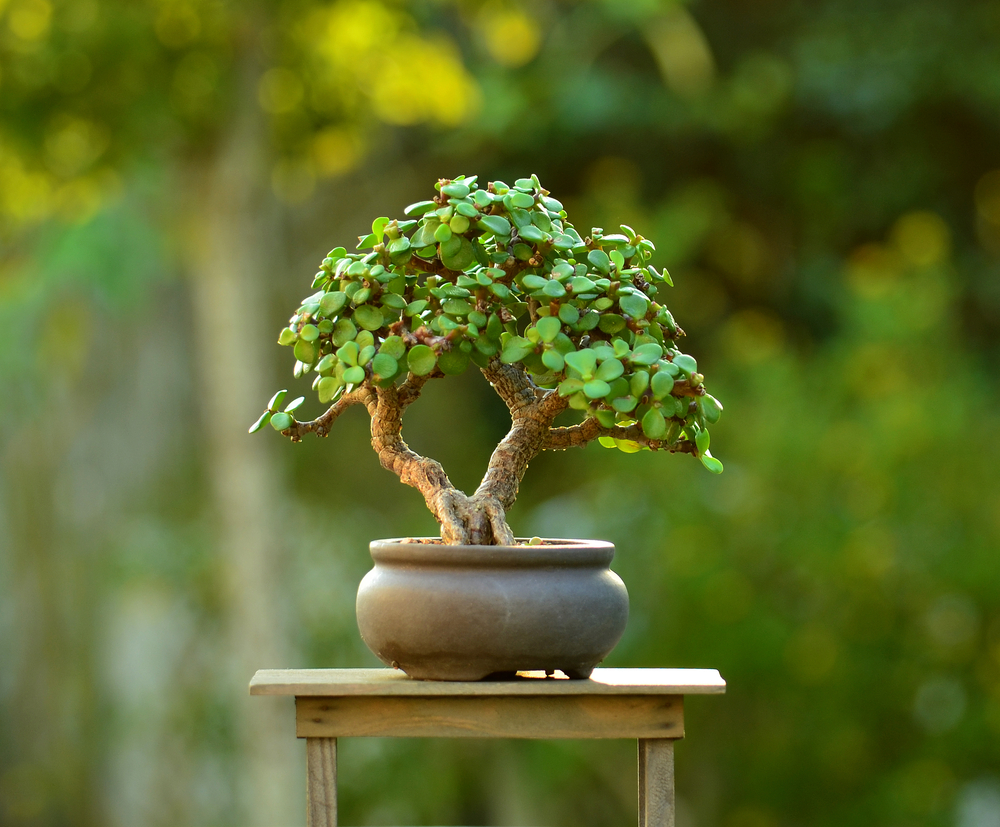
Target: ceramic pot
463 613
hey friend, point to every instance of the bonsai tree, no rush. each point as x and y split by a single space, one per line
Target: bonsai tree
498 277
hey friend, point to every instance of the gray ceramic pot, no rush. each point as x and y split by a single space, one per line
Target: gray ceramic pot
461 613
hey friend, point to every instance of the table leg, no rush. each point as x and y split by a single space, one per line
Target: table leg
321 782
656 782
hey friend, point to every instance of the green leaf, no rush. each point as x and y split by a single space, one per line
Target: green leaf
460 256
711 463
455 190
605 417
281 421
459 224
515 350
294 404
520 199
348 353
260 423
309 333
287 336
548 327
496 224
610 370
647 354
711 408
442 233
421 360
702 439
599 259
344 331
456 307
378 228
532 233
327 388
661 384
453 362
625 404
553 360
306 351
534 282
611 323
369 317
366 241
276 400
332 303
570 386
584 362
355 375
398 245
581 284
393 346
385 366
654 425
393 300
569 314
553 289
420 207
635 305
686 363
596 389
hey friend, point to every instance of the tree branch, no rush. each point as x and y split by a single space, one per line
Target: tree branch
512 384
321 425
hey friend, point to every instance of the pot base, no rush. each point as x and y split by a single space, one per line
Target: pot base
466 613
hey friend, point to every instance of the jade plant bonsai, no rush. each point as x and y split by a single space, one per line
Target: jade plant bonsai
498 277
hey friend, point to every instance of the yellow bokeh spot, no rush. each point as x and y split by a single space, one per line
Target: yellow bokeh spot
511 36
922 237
369 48
72 144
280 90
30 19
423 81
682 52
349 31
335 151
987 195
873 270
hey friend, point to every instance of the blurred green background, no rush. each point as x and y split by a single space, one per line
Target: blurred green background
823 181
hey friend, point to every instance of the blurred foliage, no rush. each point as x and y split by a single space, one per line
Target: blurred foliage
823 184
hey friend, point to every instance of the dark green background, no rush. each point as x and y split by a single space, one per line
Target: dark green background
821 178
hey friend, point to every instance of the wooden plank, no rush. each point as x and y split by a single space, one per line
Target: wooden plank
618 716
656 783
321 782
392 682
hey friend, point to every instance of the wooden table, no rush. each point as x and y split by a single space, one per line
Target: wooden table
645 704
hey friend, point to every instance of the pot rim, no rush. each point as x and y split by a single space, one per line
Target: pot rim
562 553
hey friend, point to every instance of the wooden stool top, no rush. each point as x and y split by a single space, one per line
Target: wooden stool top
612 703
332 683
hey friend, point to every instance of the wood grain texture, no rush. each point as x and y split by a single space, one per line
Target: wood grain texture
656 783
617 716
392 682
321 782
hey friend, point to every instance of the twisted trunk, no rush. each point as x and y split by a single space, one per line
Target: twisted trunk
479 519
